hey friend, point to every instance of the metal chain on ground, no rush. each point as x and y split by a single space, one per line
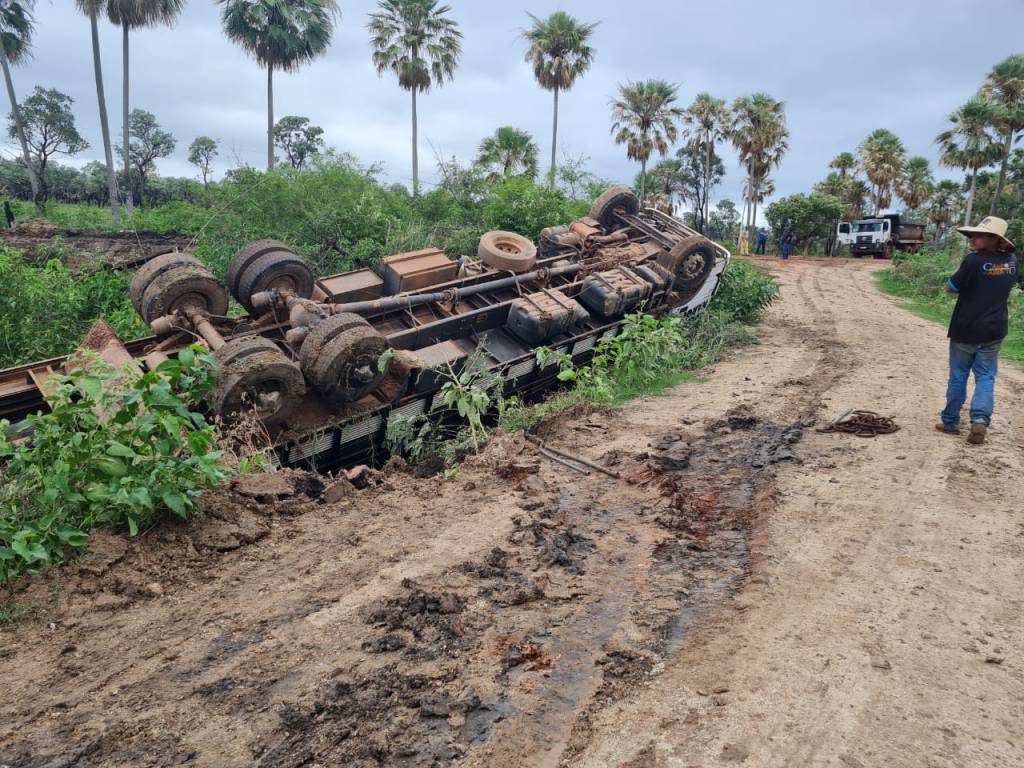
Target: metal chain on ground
862 424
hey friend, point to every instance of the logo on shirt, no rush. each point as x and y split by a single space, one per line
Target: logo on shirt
997 270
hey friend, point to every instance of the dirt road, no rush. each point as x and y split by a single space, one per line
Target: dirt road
750 591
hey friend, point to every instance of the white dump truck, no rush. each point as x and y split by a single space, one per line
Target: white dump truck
879 236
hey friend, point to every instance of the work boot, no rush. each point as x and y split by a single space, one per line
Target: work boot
947 430
977 436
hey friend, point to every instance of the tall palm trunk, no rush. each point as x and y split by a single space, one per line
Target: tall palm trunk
128 202
270 117
415 149
643 181
104 125
970 197
33 179
750 193
554 140
705 214
757 193
1002 171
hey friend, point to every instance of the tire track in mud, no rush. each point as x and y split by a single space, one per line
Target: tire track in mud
495 638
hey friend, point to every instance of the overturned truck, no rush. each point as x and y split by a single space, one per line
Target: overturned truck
310 357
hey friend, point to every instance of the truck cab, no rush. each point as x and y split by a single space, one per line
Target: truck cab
844 233
881 235
871 237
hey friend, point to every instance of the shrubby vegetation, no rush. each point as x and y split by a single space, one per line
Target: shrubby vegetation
115 450
46 309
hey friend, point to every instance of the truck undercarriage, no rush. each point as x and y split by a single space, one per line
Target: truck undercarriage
325 363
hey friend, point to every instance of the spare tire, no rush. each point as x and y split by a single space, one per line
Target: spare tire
507 251
614 202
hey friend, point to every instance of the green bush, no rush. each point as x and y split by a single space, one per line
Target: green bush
745 292
45 311
115 450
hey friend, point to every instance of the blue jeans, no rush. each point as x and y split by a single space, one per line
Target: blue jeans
785 250
983 359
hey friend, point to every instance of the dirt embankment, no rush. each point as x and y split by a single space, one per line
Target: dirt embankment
116 250
750 591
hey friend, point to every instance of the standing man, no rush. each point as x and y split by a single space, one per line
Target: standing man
745 242
8 214
762 240
979 324
786 242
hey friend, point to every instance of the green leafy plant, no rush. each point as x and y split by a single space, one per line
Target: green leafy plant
745 293
411 437
116 449
472 391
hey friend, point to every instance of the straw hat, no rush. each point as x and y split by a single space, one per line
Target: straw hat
990 225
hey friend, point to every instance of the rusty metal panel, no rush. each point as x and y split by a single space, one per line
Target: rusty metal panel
412 271
361 285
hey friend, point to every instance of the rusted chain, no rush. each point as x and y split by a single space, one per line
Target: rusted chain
862 424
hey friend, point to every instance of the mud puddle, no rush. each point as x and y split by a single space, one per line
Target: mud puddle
501 659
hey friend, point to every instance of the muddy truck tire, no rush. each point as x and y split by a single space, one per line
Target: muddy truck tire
152 269
347 370
246 256
327 330
614 202
282 270
507 251
258 379
182 286
690 261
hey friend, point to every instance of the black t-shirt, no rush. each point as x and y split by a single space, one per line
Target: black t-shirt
983 284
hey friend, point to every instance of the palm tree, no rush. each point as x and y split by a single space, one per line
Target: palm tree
670 183
759 134
559 54
1005 86
417 41
16 28
969 143
706 122
882 156
644 119
849 190
916 183
131 14
92 9
943 203
511 152
279 35
844 162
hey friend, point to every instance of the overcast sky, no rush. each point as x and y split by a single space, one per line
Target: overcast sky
843 68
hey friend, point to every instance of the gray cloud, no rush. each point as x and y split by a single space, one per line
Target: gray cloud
843 68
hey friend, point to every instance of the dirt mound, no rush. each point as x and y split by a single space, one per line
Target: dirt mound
120 250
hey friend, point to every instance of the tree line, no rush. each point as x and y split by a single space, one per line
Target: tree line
419 43
979 139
